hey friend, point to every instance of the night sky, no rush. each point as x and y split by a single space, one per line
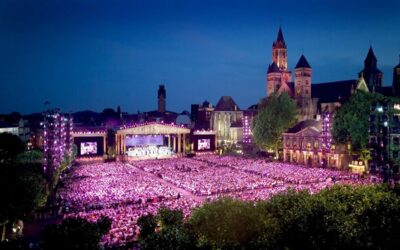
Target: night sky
89 55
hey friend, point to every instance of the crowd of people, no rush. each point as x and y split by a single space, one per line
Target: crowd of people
288 173
102 185
203 178
125 191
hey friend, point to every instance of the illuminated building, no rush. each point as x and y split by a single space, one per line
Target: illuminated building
310 143
224 121
21 129
279 79
313 99
384 133
248 116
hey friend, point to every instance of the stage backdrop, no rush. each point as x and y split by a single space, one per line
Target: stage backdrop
89 146
204 142
143 140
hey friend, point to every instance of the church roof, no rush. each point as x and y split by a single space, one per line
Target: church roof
371 55
273 68
362 85
333 91
304 124
302 63
280 41
280 36
226 103
253 107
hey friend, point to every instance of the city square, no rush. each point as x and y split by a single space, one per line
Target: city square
126 191
175 125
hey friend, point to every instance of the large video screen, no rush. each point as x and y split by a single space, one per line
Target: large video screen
141 140
88 148
204 144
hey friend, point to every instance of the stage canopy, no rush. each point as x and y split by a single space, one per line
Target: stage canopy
176 135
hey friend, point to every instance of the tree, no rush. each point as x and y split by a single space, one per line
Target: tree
32 156
277 114
350 124
226 224
27 190
75 234
172 234
10 146
341 217
147 224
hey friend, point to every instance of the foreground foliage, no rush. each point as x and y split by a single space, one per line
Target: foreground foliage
342 217
75 234
165 231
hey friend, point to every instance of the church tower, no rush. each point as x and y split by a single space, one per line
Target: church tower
279 56
302 72
372 75
274 78
302 89
162 96
278 72
279 51
396 80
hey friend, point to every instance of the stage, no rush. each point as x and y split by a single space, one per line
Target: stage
152 141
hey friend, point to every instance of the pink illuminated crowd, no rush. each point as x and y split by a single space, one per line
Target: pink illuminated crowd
203 178
124 192
103 185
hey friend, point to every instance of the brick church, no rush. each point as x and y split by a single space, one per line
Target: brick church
313 99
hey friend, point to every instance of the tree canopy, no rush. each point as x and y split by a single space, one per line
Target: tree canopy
276 115
350 123
167 230
75 234
342 217
27 190
10 146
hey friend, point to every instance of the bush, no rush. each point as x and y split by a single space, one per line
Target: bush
75 234
342 217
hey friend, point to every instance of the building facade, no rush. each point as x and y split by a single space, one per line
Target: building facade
310 143
226 121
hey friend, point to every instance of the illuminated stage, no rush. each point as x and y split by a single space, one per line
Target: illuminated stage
152 141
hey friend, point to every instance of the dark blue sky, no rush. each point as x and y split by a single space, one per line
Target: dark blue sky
94 54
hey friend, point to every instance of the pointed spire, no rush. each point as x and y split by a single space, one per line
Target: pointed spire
370 55
280 41
280 36
302 63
